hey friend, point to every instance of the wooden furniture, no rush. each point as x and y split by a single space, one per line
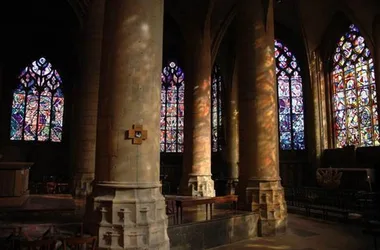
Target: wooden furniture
350 178
38 245
232 199
191 201
78 243
14 178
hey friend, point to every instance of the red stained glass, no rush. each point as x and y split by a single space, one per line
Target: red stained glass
290 99
172 108
354 100
38 104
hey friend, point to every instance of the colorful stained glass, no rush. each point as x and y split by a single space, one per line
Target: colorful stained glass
290 99
354 103
216 106
172 109
37 108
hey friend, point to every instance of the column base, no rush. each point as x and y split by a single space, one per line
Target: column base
199 185
231 186
266 198
83 184
127 216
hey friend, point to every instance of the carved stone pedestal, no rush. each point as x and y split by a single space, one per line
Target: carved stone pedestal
83 184
200 185
127 216
231 186
266 198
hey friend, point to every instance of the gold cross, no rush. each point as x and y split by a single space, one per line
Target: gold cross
137 134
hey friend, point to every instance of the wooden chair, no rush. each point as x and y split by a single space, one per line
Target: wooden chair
77 243
38 245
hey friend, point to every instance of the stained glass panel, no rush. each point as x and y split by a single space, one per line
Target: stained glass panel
18 114
35 115
216 109
290 99
356 121
172 109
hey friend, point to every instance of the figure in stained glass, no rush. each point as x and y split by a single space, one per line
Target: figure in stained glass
290 99
38 104
354 102
172 109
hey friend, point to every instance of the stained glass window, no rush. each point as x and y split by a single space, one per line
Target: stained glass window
354 101
290 99
38 101
216 103
172 108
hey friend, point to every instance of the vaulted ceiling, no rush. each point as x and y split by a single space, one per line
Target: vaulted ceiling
310 18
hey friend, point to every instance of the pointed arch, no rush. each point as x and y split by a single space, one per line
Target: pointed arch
353 88
290 99
38 104
216 105
172 109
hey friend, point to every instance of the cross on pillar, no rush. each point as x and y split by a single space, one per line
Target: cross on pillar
137 134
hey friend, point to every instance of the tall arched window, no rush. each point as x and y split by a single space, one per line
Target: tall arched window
216 103
290 99
38 101
172 108
354 102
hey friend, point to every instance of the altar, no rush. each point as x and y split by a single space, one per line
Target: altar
14 178
346 178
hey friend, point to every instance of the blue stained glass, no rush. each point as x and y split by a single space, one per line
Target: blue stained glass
216 104
172 108
33 111
354 92
290 99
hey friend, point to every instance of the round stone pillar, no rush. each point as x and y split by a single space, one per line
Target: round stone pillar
87 102
260 189
127 209
197 176
232 131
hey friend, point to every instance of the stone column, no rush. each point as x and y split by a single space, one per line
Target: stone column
260 188
87 103
318 123
127 209
198 175
232 131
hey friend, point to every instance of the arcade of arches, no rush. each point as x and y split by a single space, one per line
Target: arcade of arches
211 97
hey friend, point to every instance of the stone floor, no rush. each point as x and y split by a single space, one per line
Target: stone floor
306 233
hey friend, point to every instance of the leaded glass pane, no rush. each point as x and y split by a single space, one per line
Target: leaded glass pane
216 108
290 99
36 114
172 108
356 99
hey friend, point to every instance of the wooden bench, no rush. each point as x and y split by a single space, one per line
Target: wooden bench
191 201
182 202
225 199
